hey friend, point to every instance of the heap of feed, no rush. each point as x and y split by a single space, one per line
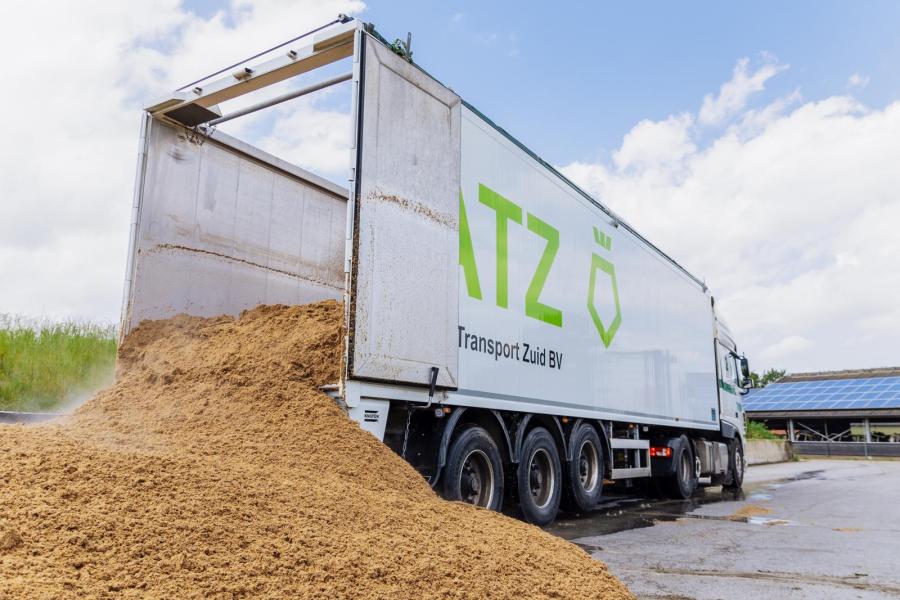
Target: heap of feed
215 467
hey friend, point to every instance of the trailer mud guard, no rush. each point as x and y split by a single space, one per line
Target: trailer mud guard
556 432
607 448
663 466
450 427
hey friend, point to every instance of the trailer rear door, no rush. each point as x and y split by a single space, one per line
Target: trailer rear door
404 232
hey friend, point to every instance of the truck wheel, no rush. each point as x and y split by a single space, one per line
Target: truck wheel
584 473
736 466
539 477
682 483
474 470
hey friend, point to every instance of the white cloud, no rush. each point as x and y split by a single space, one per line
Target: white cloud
857 81
733 94
753 121
656 143
316 138
790 213
72 110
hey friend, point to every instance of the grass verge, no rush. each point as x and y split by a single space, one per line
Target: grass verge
47 366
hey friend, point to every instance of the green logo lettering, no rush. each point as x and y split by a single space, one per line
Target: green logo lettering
506 211
533 308
601 264
467 253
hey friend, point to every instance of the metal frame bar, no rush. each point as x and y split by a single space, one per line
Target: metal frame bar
330 45
630 472
818 434
282 98
356 107
137 200
827 437
341 18
626 443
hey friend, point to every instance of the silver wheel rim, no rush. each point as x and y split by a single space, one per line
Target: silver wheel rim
476 479
588 466
541 478
738 464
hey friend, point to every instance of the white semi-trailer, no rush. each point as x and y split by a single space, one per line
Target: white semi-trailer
506 333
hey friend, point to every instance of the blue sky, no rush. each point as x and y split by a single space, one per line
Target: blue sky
571 78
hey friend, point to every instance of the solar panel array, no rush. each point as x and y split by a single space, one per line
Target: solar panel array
829 394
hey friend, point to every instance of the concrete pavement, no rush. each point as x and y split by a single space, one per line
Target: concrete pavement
800 530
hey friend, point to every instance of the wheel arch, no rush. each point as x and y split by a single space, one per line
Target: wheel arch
550 423
604 439
488 419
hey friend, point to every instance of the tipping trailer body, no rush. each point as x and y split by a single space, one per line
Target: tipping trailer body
474 275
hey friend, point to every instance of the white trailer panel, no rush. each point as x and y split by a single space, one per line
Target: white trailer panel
588 317
638 346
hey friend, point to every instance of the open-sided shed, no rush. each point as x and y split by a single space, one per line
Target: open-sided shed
834 412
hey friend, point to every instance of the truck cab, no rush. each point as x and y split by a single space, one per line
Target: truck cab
733 375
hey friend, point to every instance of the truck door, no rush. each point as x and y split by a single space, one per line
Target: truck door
729 387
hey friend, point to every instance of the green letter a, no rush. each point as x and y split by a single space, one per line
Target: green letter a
467 253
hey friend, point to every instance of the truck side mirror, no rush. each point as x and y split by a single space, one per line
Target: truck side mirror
746 381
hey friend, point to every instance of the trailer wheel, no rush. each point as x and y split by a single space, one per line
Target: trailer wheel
736 466
584 473
539 477
474 470
682 483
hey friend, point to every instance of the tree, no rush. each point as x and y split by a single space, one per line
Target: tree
768 377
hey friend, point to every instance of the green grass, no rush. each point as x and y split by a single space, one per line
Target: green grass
758 431
46 366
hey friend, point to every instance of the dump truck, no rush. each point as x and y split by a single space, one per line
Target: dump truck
506 333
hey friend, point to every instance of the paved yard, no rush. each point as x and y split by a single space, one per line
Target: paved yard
809 529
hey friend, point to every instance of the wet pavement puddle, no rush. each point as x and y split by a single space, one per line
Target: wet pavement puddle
620 511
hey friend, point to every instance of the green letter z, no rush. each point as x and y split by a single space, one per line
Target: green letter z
533 308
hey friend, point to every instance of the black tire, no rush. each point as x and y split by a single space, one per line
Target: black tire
474 470
735 479
539 478
584 473
682 483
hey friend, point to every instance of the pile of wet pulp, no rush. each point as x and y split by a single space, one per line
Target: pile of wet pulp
215 467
